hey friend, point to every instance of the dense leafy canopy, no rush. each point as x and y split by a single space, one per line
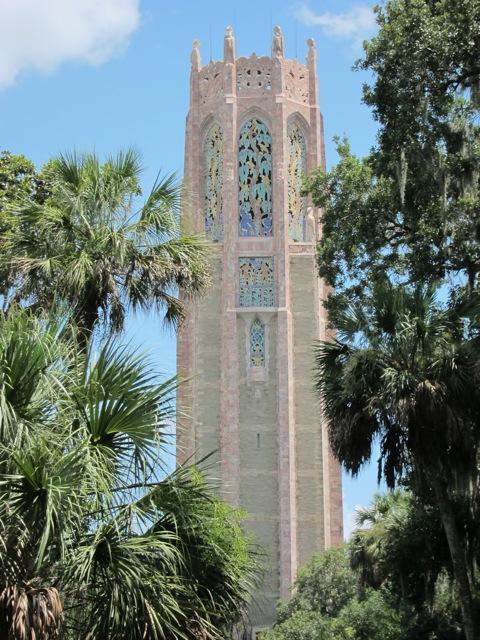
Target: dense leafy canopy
401 231
411 208
391 581
425 55
96 540
403 372
19 182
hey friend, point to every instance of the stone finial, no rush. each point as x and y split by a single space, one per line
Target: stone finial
229 46
277 43
195 56
312 51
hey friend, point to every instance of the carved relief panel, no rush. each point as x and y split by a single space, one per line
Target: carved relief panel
254 75
296 81
213 182
211 81
297 168
257 286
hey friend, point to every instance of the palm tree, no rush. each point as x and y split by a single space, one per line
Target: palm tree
96 247
399 541
405 372
368 541
96 541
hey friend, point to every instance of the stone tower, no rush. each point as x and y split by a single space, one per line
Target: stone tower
253 129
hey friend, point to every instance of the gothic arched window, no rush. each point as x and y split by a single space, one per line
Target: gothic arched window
255 179
257 343
213 182
297 168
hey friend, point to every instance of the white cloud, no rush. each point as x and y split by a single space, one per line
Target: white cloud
356 25
41 34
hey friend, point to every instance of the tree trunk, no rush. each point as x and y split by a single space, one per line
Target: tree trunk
459 561
86 320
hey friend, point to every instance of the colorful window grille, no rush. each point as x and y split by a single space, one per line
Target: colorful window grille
255 179
257 343
213 182
297 168
257 286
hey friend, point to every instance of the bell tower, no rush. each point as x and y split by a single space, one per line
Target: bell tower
253 130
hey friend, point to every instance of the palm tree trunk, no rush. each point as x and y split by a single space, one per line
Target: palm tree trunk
86 319
459 561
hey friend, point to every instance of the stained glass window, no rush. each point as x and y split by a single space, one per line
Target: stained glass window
213 182
257 344
297 168
257 287
255 179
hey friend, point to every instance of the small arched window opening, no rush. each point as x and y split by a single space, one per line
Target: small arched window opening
257 343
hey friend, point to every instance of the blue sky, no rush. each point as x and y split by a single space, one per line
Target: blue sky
104 75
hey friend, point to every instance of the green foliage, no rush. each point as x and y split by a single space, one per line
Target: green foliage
20 185
220 558
372 618
92 533
303 624
96 247
411 208
399 227
426 51
19 182
325 606
392 581
399 541
411 216
325 585
403 371
322 589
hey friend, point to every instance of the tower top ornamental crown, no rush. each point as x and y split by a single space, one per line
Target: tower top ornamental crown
253 75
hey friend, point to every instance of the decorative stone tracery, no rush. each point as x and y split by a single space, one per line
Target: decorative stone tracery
296 81
255 179
213 182
211 81
257 343
254 75
237 397
257 287
297 168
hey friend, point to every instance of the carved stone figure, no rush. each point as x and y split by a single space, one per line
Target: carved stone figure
311 230
229 46
312 50
277 43
195 56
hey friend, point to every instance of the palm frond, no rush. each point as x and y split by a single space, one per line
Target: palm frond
124 411
403 372
91 243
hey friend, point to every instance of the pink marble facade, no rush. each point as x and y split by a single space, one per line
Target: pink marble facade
224 92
